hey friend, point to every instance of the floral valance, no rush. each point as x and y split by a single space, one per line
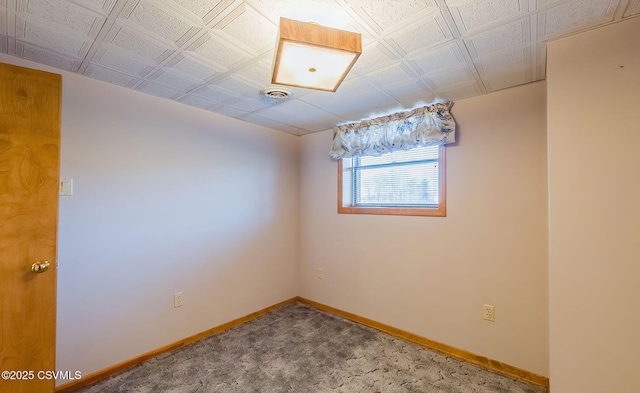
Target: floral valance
429 125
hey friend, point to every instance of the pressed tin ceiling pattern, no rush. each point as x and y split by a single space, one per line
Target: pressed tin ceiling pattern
217 55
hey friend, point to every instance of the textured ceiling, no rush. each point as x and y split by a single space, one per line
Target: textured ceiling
217 55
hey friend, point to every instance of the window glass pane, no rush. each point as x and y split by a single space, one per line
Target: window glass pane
418 153
407 184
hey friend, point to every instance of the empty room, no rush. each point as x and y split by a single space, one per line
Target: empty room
319 196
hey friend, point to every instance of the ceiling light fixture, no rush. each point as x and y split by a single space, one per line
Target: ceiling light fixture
313 56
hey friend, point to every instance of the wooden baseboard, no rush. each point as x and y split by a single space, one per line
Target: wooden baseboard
98 376
489 364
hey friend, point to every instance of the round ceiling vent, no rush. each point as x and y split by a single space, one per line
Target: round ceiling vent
277 93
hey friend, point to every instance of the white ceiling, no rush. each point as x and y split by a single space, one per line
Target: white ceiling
217 55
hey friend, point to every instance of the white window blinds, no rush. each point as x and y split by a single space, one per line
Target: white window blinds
399 179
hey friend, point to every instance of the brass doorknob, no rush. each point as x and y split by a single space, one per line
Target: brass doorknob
40 266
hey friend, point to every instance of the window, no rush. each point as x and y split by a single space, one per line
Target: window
407 182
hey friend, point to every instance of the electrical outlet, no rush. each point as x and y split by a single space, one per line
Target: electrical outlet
178 300
320 273
489 312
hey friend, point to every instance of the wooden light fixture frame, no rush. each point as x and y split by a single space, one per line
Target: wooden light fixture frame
313 34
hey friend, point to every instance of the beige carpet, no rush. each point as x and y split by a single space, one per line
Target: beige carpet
300 349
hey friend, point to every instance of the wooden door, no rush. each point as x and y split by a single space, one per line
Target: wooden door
29 184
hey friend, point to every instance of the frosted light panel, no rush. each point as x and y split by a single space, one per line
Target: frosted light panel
297 60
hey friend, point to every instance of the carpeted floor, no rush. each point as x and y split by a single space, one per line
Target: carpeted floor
300 349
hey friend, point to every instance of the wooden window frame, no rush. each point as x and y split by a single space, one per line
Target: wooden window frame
440 211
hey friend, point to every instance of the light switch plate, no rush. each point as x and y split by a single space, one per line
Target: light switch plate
66 187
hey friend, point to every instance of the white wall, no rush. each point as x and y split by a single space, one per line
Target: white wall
431 275
594 189
167 198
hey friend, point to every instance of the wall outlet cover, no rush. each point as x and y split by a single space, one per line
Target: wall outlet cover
178 299
489 312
